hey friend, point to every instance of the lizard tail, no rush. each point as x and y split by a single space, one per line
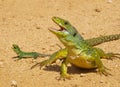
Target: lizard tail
43 55
102 39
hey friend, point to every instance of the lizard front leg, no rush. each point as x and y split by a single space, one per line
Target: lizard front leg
63 71
61 54
100 66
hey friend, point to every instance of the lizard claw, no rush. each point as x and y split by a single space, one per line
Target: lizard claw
117 55
105 73
64 77
37 64
41 64
102 71
16 58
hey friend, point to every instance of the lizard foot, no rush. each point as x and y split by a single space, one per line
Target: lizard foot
64 77
41 64
37 64
110 55
16 58
102 71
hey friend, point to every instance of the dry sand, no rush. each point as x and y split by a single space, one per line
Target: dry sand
26 23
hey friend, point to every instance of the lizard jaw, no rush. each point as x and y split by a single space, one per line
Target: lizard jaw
54 19
58 30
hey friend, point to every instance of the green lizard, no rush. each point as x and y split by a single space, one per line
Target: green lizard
77 52
22 54
75 39
64 24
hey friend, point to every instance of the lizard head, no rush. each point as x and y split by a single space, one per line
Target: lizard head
64 36
65 25
67 34
15 47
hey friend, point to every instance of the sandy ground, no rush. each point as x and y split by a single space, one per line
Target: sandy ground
26 23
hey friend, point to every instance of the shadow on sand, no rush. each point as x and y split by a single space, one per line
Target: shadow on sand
71 69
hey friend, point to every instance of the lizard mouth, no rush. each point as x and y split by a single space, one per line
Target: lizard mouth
62 29
59 30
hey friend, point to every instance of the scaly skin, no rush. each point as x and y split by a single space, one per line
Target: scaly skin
77 52
22 54
72 30
102 39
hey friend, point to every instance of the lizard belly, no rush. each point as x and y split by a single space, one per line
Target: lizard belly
81 62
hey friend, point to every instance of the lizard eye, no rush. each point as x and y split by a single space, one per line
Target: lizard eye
66 23
74 34
14 47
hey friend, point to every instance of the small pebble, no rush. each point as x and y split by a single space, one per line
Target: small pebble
1 64
116 65
83 33
109 1
13 83
101 81
93 82
82 75
52 45
38 27
97 10
43 48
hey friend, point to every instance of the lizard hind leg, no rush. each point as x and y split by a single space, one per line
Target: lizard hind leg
63 71
104 55
110 55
